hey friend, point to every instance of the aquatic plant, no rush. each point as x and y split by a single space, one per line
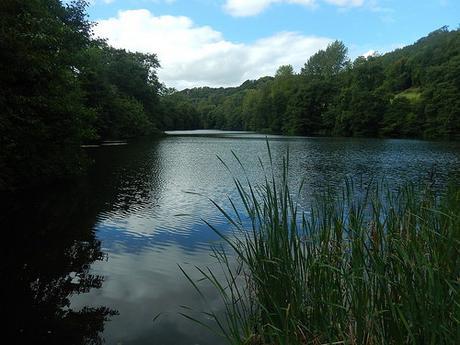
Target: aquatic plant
365 266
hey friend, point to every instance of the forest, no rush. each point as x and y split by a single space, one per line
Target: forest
409 93
60 87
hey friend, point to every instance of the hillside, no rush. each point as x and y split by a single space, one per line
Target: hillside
410 92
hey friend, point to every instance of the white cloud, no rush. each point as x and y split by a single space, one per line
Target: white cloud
109 2
346 3
370 53
245 8
165 1
368 50
193 55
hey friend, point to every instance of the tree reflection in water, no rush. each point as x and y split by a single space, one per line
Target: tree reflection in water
43 265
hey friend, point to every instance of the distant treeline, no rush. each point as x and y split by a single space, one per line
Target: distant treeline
411 92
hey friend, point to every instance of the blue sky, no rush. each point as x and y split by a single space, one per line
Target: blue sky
224 42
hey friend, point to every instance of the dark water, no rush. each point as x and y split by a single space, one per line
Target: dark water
107 246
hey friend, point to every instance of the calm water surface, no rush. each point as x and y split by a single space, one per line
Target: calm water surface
108 246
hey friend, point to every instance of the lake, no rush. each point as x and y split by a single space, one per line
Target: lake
97 258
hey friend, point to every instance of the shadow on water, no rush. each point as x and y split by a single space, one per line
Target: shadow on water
62 267
49 246
46 257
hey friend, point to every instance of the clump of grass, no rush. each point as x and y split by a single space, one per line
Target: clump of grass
375 267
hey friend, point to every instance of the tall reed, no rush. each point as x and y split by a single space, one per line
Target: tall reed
374 267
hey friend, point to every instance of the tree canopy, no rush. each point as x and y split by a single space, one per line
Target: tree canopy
410 92
60 88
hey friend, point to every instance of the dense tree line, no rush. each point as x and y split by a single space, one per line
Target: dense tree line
60 87
411 92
